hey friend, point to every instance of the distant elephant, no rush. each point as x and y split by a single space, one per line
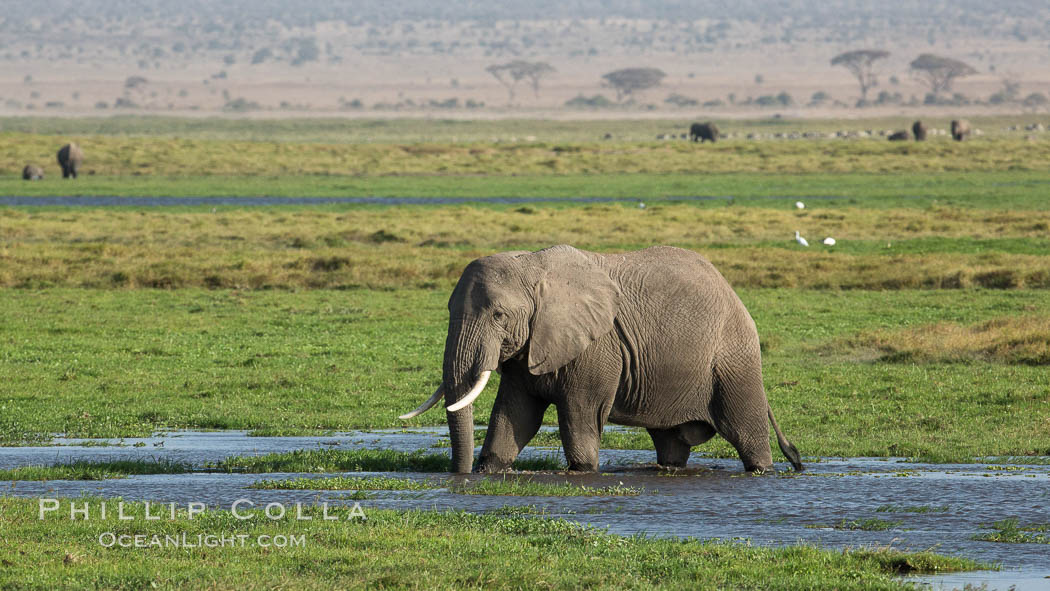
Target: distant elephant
654 338
703 132
960 129
919 129
899 136
69 158
32 172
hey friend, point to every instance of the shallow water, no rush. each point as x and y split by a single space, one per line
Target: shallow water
713 499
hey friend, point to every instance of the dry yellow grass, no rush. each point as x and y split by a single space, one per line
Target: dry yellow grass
132 156
413 247
1011 340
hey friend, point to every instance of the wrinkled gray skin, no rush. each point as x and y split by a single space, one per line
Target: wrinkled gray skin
32 172
654 338
960 129
919 129
703 132
69 158
898 136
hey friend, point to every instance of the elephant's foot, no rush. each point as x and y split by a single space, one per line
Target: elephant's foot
492 465
582 469
758 469
671 466
582 462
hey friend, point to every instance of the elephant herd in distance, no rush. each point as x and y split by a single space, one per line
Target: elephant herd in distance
69 158
960 129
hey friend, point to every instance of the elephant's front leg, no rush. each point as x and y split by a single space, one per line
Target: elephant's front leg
581 436
516 416
586 402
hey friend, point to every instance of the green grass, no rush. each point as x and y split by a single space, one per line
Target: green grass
358 460
338 460
912 509
292 320
861 525
986 189
95 470
484 486
395 549
532 488
344 483
341 360
1010 531
109 156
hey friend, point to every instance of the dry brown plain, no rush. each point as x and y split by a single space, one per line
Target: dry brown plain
417 65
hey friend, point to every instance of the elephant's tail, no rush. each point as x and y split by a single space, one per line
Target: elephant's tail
790 451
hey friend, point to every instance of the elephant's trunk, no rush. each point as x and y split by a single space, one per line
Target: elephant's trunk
461 432
469 360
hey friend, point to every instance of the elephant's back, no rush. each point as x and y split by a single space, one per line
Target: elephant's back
678 266
70 151
678 289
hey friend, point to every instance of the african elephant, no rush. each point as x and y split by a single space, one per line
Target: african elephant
654 338
703 132
919 129
69 158
32 172
960 129
898 136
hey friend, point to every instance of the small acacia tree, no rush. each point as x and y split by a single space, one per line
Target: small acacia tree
860 63
939 72
630 80
510 73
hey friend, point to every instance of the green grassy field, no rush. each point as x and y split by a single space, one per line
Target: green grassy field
170 156
922 333
111 363
395 549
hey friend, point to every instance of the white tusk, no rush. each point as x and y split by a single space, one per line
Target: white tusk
474 393
426 405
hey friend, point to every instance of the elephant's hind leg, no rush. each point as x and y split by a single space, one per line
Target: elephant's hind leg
670 449
741 417
673 445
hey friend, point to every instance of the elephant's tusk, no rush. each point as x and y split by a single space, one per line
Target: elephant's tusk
426 405
474 393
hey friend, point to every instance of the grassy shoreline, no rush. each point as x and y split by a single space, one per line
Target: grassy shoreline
408 549
968 188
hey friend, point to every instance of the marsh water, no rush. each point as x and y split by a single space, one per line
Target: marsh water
712 499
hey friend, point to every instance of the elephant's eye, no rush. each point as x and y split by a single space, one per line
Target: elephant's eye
498 315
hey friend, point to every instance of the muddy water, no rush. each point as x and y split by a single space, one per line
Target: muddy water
711 500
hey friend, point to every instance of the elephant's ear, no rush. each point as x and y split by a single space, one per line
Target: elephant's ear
576 303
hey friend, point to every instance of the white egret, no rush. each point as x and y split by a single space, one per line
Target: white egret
800 239
800 205
829 241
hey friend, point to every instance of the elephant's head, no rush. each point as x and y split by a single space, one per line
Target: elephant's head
543 308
